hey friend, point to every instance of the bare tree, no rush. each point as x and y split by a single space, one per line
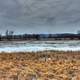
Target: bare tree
0 37
9 34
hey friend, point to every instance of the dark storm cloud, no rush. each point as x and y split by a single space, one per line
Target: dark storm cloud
40 15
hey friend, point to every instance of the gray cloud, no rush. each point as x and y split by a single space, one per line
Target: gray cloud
38 16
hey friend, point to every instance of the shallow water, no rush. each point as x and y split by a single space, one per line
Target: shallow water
17 46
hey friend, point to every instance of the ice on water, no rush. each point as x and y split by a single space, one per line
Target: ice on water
17 46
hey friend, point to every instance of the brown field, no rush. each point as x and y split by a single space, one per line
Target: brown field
46 65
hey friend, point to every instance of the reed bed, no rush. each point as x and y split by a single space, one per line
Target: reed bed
42 65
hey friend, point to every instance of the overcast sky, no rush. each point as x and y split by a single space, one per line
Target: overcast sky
40 16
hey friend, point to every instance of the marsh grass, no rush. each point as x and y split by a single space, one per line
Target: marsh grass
58 65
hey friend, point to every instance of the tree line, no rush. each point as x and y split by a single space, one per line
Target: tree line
9 35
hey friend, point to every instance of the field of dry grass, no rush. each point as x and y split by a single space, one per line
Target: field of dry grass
47 65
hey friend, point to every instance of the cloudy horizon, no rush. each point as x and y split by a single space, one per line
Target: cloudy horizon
40 16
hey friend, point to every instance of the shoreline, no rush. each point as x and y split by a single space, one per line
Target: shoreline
41 51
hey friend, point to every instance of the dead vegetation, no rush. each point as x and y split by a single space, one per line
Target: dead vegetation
46 65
